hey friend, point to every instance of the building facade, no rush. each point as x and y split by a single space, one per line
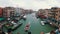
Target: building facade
1 12
56 13
8 12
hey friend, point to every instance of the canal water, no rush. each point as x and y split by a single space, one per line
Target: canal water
35 25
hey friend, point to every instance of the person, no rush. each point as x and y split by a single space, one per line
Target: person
52 32
42 33
1 26
9 31
58 30
29 32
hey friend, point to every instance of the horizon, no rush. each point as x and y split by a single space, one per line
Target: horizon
30 4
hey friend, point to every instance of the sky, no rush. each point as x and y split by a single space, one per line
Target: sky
30 4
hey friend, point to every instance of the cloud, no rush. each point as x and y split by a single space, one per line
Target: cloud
5 3
31 4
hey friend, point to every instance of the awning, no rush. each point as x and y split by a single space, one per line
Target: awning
52 19
2 19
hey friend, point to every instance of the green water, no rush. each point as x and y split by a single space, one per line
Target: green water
35 24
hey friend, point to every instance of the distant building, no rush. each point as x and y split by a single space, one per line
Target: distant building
41 11
44 12
47 11
22 11
19 10
1 12
8 12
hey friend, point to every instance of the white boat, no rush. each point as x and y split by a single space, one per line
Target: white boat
42 22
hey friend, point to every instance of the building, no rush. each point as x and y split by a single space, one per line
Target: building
55 13
42 13
8 12
18 10
1 12
45 12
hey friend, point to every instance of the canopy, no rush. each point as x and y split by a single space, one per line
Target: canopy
51 19
2 19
